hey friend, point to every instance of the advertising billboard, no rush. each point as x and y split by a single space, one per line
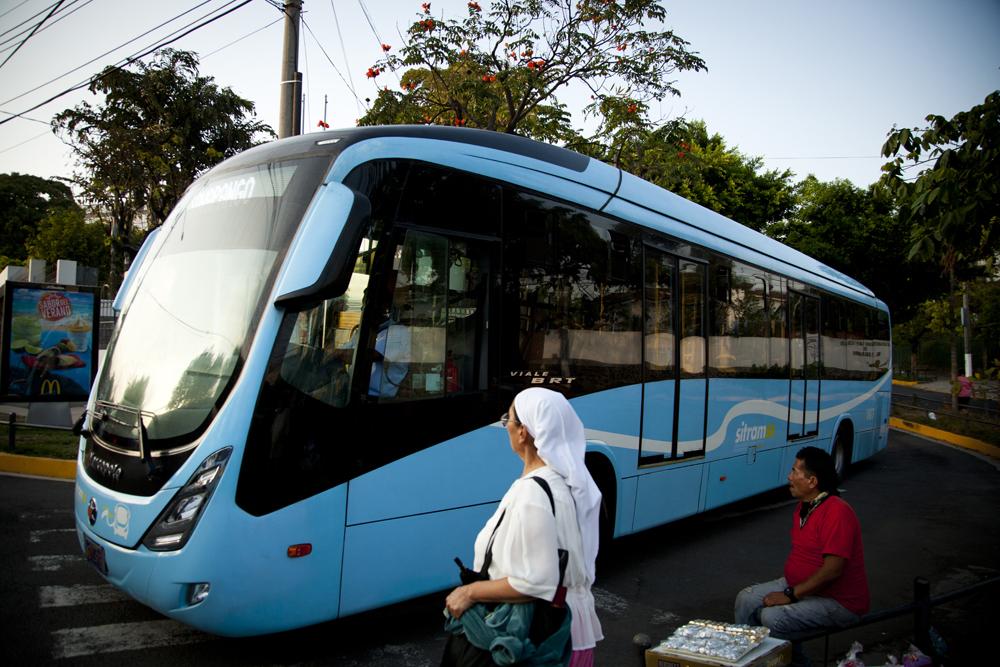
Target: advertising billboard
49 342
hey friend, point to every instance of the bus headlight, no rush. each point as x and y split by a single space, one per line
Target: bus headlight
176 522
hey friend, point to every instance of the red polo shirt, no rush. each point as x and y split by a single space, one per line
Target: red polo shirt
832 529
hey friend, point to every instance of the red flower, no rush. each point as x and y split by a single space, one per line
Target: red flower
427 25
386 47
474 6
489 78
622 47
373 72
427 7
457 122
680 154
632 108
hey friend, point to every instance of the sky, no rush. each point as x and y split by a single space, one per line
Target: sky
809 86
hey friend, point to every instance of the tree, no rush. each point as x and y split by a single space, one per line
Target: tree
858 232
954 202
65 234
500 69
24 201
684 158
160 125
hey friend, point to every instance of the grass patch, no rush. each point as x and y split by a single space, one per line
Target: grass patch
971 426
33 441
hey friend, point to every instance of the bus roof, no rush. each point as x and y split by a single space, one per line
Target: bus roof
704 226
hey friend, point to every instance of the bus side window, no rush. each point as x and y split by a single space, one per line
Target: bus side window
431 335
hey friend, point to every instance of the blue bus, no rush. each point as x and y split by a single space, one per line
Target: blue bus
298 415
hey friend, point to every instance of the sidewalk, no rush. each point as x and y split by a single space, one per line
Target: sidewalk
941 387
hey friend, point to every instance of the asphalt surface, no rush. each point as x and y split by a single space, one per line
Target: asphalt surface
926 510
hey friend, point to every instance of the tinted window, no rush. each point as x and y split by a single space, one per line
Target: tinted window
572 281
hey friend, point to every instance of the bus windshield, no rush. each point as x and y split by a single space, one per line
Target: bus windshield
182 336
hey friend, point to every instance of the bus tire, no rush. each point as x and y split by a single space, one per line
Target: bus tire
841 451
604 476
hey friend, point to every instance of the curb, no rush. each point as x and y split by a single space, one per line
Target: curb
38 466
977 446
906 383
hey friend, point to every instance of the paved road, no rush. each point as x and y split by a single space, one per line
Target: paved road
926 509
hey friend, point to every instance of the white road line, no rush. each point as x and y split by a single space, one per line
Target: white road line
52 563
76 642
70 596
609 602
36 536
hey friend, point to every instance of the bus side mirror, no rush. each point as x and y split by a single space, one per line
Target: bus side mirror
321 257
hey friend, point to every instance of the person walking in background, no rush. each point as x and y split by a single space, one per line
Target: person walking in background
518 547
825 584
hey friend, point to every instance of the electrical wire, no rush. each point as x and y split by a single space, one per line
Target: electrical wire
136 38
8 43
130 60
343 50
37 136
249 34
329 59
13 8
29 19
30 34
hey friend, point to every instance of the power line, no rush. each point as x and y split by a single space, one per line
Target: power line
330 60
39 25
30 18
249 34
62 14
37 136
8 43
13 8
130 60
120 46
343 50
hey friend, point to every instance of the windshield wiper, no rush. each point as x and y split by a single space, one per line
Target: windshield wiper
145 455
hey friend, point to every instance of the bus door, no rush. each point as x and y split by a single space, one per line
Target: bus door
674 379
803 400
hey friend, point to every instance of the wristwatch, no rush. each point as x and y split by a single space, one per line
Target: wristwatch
790 593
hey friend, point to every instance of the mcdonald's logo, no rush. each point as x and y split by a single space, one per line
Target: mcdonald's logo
51 386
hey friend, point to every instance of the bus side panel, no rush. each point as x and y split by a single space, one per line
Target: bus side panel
473 469
741 476
744 413
390 561
666 495
612 417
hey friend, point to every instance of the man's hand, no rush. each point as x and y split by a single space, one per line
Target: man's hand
776 598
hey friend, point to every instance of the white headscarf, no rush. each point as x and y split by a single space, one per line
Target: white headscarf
559 438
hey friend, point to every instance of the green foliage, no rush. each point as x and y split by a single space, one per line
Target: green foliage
158 127
685 159
858 232
954 201
24 201
64 234
500 69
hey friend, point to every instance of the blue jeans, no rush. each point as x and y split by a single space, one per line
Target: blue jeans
808 613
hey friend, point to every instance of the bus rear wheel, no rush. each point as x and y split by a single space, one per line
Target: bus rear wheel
841 454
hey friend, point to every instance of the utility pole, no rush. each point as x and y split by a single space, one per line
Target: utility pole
967 331
291 79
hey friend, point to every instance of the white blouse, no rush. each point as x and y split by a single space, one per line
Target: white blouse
525 550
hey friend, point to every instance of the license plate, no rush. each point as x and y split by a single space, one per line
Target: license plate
94 553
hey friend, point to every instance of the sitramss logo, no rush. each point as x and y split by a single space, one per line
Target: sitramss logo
746 432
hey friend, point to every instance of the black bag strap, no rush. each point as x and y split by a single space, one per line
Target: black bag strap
488 557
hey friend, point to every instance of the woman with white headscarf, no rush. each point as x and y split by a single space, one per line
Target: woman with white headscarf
548 436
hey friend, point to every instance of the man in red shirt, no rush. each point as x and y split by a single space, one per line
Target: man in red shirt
825 584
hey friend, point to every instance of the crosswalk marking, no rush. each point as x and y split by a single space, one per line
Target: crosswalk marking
76 642
52 563
70 596
36 536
